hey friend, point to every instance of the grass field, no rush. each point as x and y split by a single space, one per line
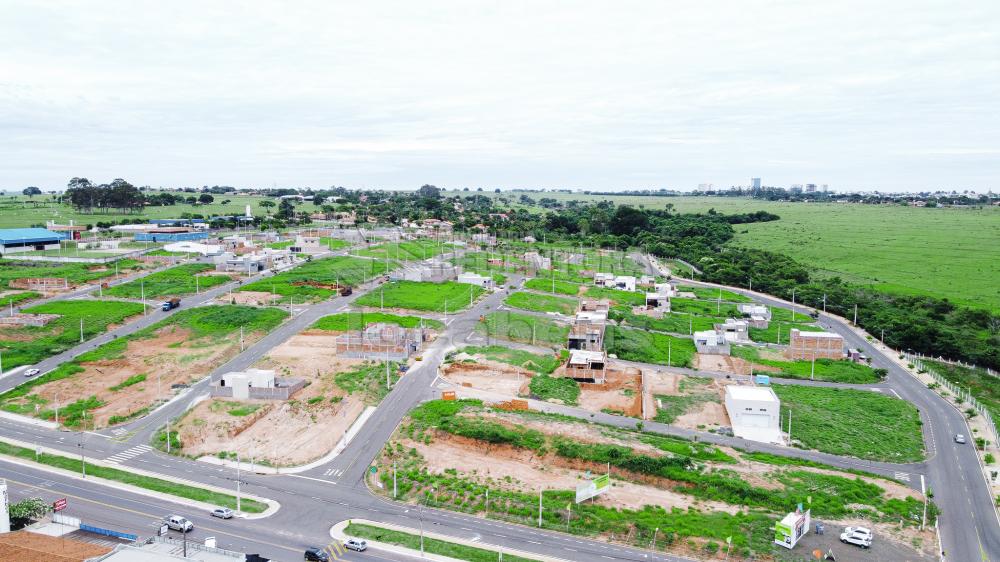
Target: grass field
16 298
825 369
617 297
296 283
26 212
523 328
346 321
703 307
857 423
531 361
432 546
74 273
777 332
174 282
405 251
541 303
676 323
710 294
415 295
563 389
648 347
30 344
548 285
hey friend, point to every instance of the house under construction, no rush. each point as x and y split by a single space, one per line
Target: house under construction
381 341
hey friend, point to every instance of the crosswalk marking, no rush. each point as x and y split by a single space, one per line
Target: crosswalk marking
119 431
333 472
128 454
905 477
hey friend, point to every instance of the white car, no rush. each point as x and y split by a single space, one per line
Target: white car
31 372
858 539
960 439
864 531
356 544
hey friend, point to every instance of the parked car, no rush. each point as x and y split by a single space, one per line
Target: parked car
865 531
316 554
960 439
857 539
31 372
222 513
358 545
178 523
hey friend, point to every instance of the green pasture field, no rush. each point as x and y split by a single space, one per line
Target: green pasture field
23 211
174 282
208 323
346 321
29 344
292 284
541 303
524 328
826 369
547 286
648 347
857 423
416 295
544 364
74 273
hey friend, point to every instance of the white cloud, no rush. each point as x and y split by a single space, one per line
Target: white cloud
540 93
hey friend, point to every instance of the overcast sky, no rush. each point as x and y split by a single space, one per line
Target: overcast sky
896 95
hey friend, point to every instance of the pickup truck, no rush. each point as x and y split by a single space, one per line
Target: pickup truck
170 304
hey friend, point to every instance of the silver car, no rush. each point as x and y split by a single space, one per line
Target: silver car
222 513
356 544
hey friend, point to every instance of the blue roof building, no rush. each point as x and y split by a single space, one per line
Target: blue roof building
18 240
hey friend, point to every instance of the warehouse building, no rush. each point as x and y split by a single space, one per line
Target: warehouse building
24 240
754 412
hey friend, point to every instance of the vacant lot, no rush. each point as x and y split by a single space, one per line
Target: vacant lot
295 431
523 328
617 297
29 344
552 285
694 395
708 293
823 370
677 323
406 251
174 282
346 321
123 379
316 280
778 331
74 273
692 496
415 295
516 357
648 347
541 303
857 423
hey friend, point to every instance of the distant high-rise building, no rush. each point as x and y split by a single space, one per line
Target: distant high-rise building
755 183
810 188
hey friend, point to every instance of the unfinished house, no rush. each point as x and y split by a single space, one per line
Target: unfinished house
586 336
587 366
659 298
595 305
432 271
815 345
623 283
254 384
476 279
536 261
758 315
388 342
735 331
711 342
24 319
604 279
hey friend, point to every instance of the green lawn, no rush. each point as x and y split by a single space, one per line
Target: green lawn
541 303
857 423
826 369
616 296
776 329
75 464
531 361
416 295
346 321
295 283
547 286
563 389
174 282
29 344
523 328
431 546
648 347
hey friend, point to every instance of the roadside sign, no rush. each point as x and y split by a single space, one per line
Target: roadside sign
448 395
164 529
59 504
598 485
373 469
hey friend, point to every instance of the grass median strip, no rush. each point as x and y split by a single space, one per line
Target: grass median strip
138 480
432 546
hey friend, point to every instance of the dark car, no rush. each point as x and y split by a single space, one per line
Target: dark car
316 554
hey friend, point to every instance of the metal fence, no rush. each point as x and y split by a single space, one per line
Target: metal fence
958 391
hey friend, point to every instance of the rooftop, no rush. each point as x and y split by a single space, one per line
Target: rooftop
25 546
758 393
582 357
816 334
15 235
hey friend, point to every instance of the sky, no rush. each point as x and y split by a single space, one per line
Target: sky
890 95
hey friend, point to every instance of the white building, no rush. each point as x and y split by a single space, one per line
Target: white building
189 247
604 279
624 283
754 412
712 342
735 331
242 381
537 261
758 314
476 279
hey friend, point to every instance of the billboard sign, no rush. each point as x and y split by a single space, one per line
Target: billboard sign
595 487
59 504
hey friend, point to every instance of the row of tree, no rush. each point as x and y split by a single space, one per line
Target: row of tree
119 195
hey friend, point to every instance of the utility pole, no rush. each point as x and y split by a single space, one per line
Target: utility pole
923 490
238 505
789 426
241 339
81 330
855 314
669 364
539 508
824 303
142 291
812 372
793 304
394 488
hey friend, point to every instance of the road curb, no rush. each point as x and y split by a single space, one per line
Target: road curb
337 533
